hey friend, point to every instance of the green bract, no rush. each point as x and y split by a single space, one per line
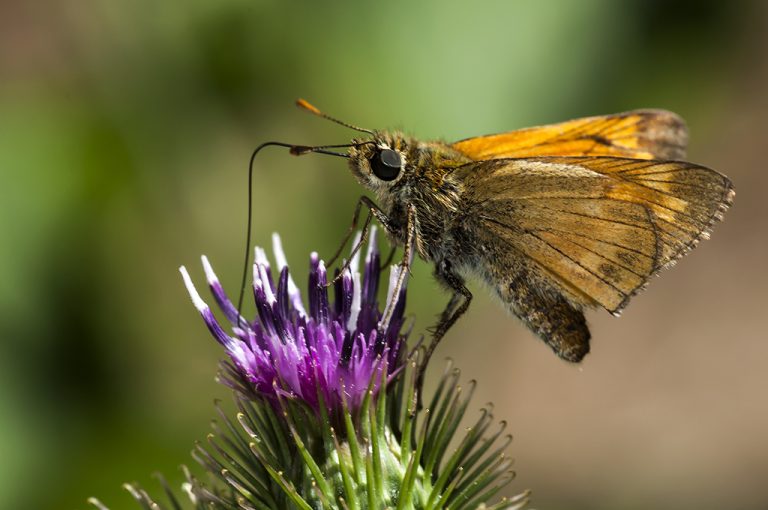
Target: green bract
389 454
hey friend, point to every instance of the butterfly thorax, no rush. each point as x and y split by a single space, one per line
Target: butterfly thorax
426 181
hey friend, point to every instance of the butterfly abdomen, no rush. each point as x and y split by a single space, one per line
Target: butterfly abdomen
552 313
545 311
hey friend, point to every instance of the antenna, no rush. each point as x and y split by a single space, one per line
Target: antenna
305 105
296 150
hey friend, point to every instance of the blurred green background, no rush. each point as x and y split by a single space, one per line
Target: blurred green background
125 132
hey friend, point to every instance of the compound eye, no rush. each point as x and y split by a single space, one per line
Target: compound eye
386 164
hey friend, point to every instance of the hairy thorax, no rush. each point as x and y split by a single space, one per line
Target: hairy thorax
433 191
427 183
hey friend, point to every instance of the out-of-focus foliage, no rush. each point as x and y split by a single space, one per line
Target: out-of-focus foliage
125 131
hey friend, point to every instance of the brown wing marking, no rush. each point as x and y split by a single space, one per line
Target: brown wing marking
598 261
599 226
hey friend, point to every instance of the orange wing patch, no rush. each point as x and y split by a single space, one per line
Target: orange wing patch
639 134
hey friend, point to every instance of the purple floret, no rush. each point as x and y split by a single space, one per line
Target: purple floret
335 348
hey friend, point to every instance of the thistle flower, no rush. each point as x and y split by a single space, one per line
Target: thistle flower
333 351
328 415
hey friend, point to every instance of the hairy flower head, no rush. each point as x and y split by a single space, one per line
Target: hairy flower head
331 350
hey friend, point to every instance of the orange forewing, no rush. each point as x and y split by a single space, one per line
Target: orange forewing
638 134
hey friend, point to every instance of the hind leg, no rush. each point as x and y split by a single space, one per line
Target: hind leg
458 304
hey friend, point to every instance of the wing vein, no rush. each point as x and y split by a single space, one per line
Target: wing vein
533 233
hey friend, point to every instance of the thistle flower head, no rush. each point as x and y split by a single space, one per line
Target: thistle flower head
330 351
327 407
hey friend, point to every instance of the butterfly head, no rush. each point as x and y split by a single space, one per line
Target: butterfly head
381 162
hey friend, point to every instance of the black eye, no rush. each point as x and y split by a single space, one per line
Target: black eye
386 164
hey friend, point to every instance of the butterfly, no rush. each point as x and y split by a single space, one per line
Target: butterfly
554 219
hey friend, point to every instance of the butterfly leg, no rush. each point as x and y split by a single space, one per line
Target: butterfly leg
458 304
351 230
373 212
405 268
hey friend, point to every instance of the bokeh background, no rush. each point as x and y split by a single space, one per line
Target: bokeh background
125 131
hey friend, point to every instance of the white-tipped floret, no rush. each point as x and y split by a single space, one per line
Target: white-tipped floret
389 308
277 249
209 274
264 277
394 273
354 309
354 264
293 289
371 243
256 277
196 299
261 256
321 267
